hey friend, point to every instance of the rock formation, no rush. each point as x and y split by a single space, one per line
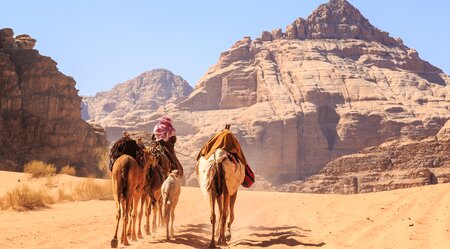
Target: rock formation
132 104
400 163
40 111
328 86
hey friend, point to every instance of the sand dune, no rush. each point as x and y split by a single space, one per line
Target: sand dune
410 218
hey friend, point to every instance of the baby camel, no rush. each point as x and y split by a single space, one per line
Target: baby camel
170 192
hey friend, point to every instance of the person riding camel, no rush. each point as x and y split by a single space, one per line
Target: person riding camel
125 145
165 134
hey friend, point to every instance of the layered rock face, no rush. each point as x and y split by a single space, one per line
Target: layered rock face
132 104
328 86
400 163
40 115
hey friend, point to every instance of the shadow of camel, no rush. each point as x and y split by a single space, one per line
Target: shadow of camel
270 236
198 236
189 235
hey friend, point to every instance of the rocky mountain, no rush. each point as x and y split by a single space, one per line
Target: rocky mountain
328 86
40 115
399 163
130 105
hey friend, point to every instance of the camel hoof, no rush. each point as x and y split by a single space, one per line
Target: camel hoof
114 243
134 238
212 244
228 236
140 236
222 242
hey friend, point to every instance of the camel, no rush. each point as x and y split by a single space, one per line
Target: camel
151 196
128 180
220 176
171 190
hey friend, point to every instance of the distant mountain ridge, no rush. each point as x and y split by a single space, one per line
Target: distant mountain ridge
129 104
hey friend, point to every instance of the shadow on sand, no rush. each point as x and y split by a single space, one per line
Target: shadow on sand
198 236
194 236
272 236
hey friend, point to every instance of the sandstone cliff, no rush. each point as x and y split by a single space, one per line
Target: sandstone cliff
132 104
40 115
325 87
400 163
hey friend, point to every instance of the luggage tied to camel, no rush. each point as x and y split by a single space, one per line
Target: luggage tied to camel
225 140
124 146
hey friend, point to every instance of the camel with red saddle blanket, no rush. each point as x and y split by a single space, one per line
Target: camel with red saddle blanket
221 168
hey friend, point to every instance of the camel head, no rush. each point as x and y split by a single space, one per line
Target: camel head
175 173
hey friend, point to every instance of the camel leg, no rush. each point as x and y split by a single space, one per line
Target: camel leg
114 241
172 216
148 212
223 217
232 202
155 213
135 211
141 211
219 204
160 206
212 203
131 219
167 208
126 214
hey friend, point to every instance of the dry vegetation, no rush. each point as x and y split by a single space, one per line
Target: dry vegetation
89 190
23 198
68 170
103 161
39 168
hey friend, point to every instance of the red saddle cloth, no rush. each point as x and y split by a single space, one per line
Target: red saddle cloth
225 140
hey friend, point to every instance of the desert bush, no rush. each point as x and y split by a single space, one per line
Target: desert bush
103 161
23 198
90 190
39 168
68 170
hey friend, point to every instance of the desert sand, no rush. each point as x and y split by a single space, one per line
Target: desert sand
407 218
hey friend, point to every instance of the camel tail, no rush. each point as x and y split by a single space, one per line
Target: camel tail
124 180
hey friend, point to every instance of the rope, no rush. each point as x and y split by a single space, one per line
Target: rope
179 153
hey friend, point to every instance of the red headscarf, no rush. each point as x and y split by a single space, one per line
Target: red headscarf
164 130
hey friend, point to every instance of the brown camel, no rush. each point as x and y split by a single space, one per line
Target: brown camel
151 196
219 177
128 180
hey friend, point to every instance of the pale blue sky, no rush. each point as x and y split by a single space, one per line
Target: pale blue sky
101 43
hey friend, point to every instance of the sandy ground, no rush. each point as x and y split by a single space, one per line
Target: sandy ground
410 218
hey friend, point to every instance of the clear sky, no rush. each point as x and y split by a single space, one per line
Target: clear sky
101 43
